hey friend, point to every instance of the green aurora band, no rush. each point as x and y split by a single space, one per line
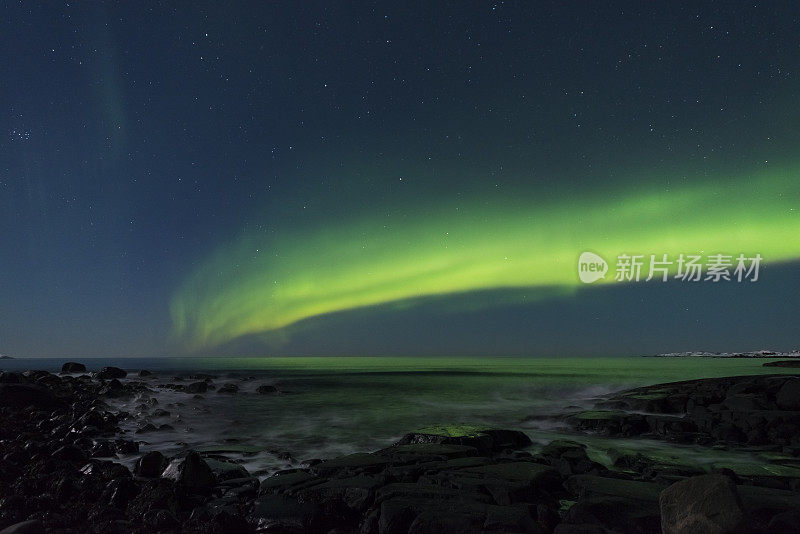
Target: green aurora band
474 246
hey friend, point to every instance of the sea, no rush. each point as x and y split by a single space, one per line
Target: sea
332 406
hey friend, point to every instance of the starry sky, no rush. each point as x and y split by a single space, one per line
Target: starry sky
415 178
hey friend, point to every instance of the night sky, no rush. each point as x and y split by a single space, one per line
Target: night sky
298 178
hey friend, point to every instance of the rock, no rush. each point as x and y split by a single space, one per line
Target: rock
151 465
111 372
119 492
156 494
483 439
192 473
73 367
283 483
267 389
354 493
783 363
224 470
144 372
22 395
592 486
229 388
196 387
160 519
583 528
70 453
279 513
786 522
126 446
33 526
788 397
615 514
352 463
7 377
705 503
146 428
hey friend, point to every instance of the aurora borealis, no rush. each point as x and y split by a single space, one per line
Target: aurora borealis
415 179
476 246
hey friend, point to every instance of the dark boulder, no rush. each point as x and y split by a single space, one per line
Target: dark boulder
484 440
119 492
783 363
705 503
788 397
192 473
229 388
73 367
150 465
615 514
22 395
785 522
111 372
160 519
196 387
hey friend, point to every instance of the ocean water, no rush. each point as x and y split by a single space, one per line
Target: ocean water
338 405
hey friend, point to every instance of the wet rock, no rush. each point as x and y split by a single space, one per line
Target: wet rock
158 494
119 492
105 469
615 514
284 483
785 522
126 446
191 473
111 372
352 463
70 453
104 449
15 395
73 367
353 493
146 428
783 363
196 387
788 397
224 470
229 388
151 465
484 440
610 422
7 377
705 503
583 528
569 458
280 513
267 389
592 486
160 519
144 372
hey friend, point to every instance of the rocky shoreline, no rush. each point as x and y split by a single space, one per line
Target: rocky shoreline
64 467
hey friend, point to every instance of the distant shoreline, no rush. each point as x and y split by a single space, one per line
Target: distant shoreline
752 354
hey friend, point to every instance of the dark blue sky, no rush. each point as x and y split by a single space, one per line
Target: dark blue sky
138 138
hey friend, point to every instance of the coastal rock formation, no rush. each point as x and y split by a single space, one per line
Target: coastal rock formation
61 471
73 367
761 410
